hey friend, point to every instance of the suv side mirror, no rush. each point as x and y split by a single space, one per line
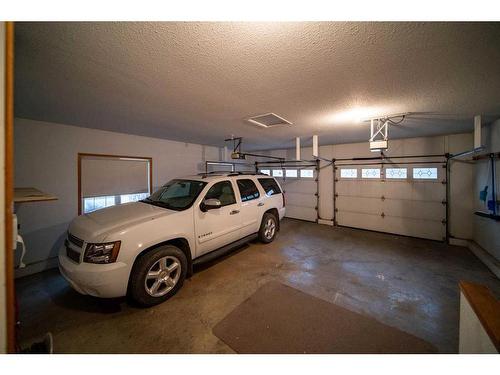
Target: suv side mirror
210 204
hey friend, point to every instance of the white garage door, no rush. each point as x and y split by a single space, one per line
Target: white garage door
400 199
300 189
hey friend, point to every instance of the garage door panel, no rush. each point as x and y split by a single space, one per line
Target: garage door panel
414 209
347 188
360 220
301 199
300 212
360 205
360 188
410 207
300 196
428 191
371 188
391 207
414 190
414 227
299 186
394 225
398 190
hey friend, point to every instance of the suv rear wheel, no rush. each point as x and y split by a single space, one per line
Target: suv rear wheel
268 228
157 275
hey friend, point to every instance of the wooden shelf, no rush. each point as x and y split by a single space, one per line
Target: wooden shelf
29 194
496 155
486 307
487 215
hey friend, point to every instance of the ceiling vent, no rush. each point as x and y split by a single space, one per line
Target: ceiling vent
269 120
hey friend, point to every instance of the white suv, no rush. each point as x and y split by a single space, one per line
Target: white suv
146 249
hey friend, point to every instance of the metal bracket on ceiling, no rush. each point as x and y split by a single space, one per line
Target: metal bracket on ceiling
380 128
236 146
379 131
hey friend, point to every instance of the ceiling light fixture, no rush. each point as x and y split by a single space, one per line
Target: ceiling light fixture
356 115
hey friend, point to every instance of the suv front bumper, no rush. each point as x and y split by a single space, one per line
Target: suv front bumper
98 280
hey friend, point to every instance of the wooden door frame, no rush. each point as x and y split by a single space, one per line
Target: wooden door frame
9 185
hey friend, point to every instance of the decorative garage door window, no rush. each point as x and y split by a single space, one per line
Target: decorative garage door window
277 173
396 173
307 173
292 173
348 173
370 173
425 173
265 171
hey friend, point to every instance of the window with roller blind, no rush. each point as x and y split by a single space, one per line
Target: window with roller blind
108 180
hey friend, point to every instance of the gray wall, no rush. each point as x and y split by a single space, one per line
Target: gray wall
461 176
46 158
487 231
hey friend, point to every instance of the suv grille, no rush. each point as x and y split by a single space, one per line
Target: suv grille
75 240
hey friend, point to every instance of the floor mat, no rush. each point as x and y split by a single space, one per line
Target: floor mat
280 319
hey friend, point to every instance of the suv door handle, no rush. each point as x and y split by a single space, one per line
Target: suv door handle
234 212
260 204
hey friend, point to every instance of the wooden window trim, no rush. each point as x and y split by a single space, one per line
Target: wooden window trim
9 186
84 154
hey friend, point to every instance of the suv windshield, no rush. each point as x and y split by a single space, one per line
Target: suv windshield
176 195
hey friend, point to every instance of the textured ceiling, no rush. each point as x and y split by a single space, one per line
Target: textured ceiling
197 82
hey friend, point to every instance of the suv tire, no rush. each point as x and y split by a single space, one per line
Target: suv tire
157 275
268 228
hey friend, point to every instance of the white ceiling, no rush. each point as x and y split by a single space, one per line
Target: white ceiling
197 82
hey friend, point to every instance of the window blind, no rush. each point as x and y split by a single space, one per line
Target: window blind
104 176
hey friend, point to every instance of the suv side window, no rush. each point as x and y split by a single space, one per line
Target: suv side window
248 190
270 186
222 191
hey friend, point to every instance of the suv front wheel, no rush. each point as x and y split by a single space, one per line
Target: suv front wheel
157 275
268 228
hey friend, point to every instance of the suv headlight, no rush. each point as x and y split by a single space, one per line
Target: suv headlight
102 252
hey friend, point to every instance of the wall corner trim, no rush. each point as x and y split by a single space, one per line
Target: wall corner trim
484 256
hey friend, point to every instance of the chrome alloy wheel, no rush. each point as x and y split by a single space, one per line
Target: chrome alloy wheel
269 228
162 276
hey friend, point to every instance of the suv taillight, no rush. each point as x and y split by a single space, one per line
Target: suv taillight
283 195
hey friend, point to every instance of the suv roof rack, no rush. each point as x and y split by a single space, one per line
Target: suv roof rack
230 174
245 174
213 173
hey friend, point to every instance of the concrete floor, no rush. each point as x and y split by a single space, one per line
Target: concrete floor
407 283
